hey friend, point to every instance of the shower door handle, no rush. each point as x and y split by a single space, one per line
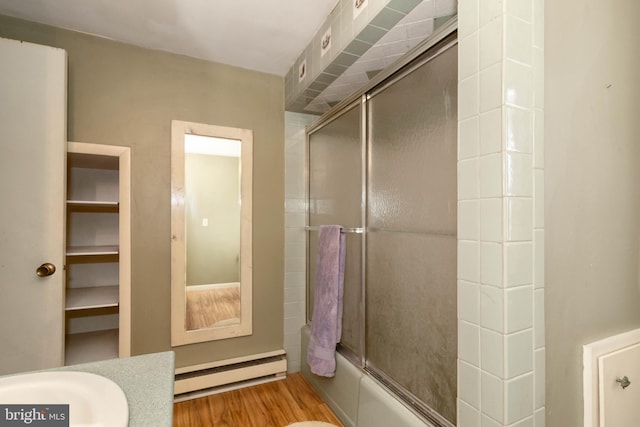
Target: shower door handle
46 269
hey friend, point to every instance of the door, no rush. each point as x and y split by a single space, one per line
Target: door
619 387
32 181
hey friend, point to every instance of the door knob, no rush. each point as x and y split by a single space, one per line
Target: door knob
624 382
46 269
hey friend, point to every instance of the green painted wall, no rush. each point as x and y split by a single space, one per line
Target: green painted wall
592 188
124 95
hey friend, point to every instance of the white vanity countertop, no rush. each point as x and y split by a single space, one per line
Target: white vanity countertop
147 382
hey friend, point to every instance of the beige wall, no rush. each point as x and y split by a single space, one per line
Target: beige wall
127 96
592 182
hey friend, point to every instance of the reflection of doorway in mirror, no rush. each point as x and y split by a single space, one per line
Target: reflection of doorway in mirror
213 305
212 209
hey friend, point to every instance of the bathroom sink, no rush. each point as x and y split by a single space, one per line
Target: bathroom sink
93 400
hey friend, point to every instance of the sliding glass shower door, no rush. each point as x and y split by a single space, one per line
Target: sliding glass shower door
411 318
385 168
335 197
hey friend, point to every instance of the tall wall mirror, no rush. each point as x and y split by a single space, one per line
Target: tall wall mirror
211 176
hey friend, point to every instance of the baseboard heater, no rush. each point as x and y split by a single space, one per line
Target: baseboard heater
228 374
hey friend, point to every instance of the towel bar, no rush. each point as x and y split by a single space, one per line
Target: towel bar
344 230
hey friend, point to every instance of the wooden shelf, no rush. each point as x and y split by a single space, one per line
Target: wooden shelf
92 250
92 297
92 254
92 206
91 347
92 161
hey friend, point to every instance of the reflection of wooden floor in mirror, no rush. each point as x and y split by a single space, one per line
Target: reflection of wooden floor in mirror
207 305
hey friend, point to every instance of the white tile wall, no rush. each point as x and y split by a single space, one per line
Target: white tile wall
491 43
518 398
491 303
493 352
519 130
468 89
527 422
492 396
501 148
490 218
468 415
469 383
489 10
468 259
518 180
518 354
469 348
517 264
491 175
468 17
469 302
468 220
468 134
468 56
490 86
518 309
295 252
539 378
491 132
468 179
491 268
519 219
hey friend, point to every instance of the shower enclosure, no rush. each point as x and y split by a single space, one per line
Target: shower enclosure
382 165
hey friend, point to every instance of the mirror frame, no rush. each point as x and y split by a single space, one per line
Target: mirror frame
179 333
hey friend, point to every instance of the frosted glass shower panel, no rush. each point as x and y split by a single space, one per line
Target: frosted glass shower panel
335 172
412 180
411 315
335 197
411 322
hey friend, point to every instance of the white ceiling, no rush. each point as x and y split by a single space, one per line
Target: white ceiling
263 35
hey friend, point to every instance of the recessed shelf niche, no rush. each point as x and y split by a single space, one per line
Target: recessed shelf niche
97 297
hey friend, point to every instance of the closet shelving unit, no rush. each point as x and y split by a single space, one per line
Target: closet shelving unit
97 297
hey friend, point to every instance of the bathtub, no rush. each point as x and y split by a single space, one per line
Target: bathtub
355 397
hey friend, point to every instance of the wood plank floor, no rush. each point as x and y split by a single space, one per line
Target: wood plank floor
274 404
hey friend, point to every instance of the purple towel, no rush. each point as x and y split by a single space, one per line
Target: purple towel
326 323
